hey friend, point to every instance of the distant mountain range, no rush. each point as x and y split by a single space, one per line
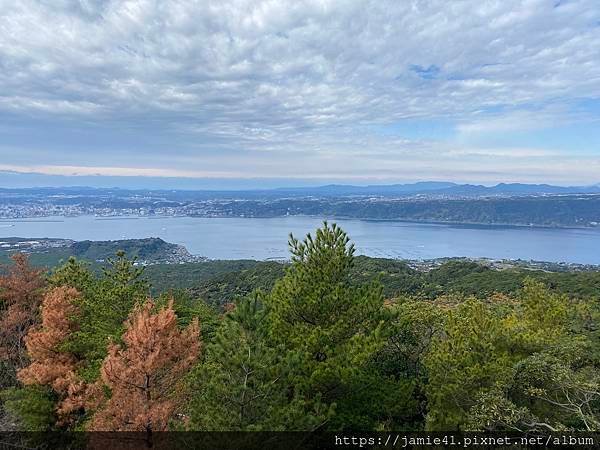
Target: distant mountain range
215 187
503 204
444 189
427 188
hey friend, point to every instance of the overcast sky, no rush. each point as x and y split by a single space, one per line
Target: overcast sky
303 91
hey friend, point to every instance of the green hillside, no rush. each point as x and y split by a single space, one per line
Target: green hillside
220 282
52 252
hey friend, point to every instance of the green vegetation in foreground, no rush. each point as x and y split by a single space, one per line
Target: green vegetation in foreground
331 342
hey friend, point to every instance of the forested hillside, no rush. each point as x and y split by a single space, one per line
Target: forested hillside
52 252
328 342
218 282
550 211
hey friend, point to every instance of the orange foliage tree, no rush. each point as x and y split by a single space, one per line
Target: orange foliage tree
143 373
50 365
21 290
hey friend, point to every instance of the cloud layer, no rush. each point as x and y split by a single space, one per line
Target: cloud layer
308 88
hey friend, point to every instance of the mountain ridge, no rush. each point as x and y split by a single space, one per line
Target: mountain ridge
439 188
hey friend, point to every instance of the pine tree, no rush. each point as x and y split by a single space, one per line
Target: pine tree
512 364
471 357
21 290
51 365
542 317
30 409
144 372
73 273
104 305
328 328
80 315
414 325
241 385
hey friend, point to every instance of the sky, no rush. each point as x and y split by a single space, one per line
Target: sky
266 93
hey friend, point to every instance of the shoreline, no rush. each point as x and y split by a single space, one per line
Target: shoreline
416 263
58 219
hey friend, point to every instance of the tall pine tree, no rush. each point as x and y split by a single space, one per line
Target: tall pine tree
329 328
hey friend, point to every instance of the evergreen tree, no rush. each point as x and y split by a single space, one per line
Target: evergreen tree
242 384
561 389
189 309
104 305
513 365
73 273
472 356
414 325
541 319
328 328
34 407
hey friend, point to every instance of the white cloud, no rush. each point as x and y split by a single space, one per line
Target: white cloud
114 171
301 79
513 121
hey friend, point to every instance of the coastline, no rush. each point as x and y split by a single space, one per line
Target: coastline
56 219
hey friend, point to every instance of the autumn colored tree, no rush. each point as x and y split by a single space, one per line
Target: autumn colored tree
21 290
51 365
143 373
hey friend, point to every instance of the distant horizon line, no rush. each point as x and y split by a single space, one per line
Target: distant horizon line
448 184
313 180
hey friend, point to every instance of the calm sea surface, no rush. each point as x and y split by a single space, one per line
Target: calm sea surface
236 238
